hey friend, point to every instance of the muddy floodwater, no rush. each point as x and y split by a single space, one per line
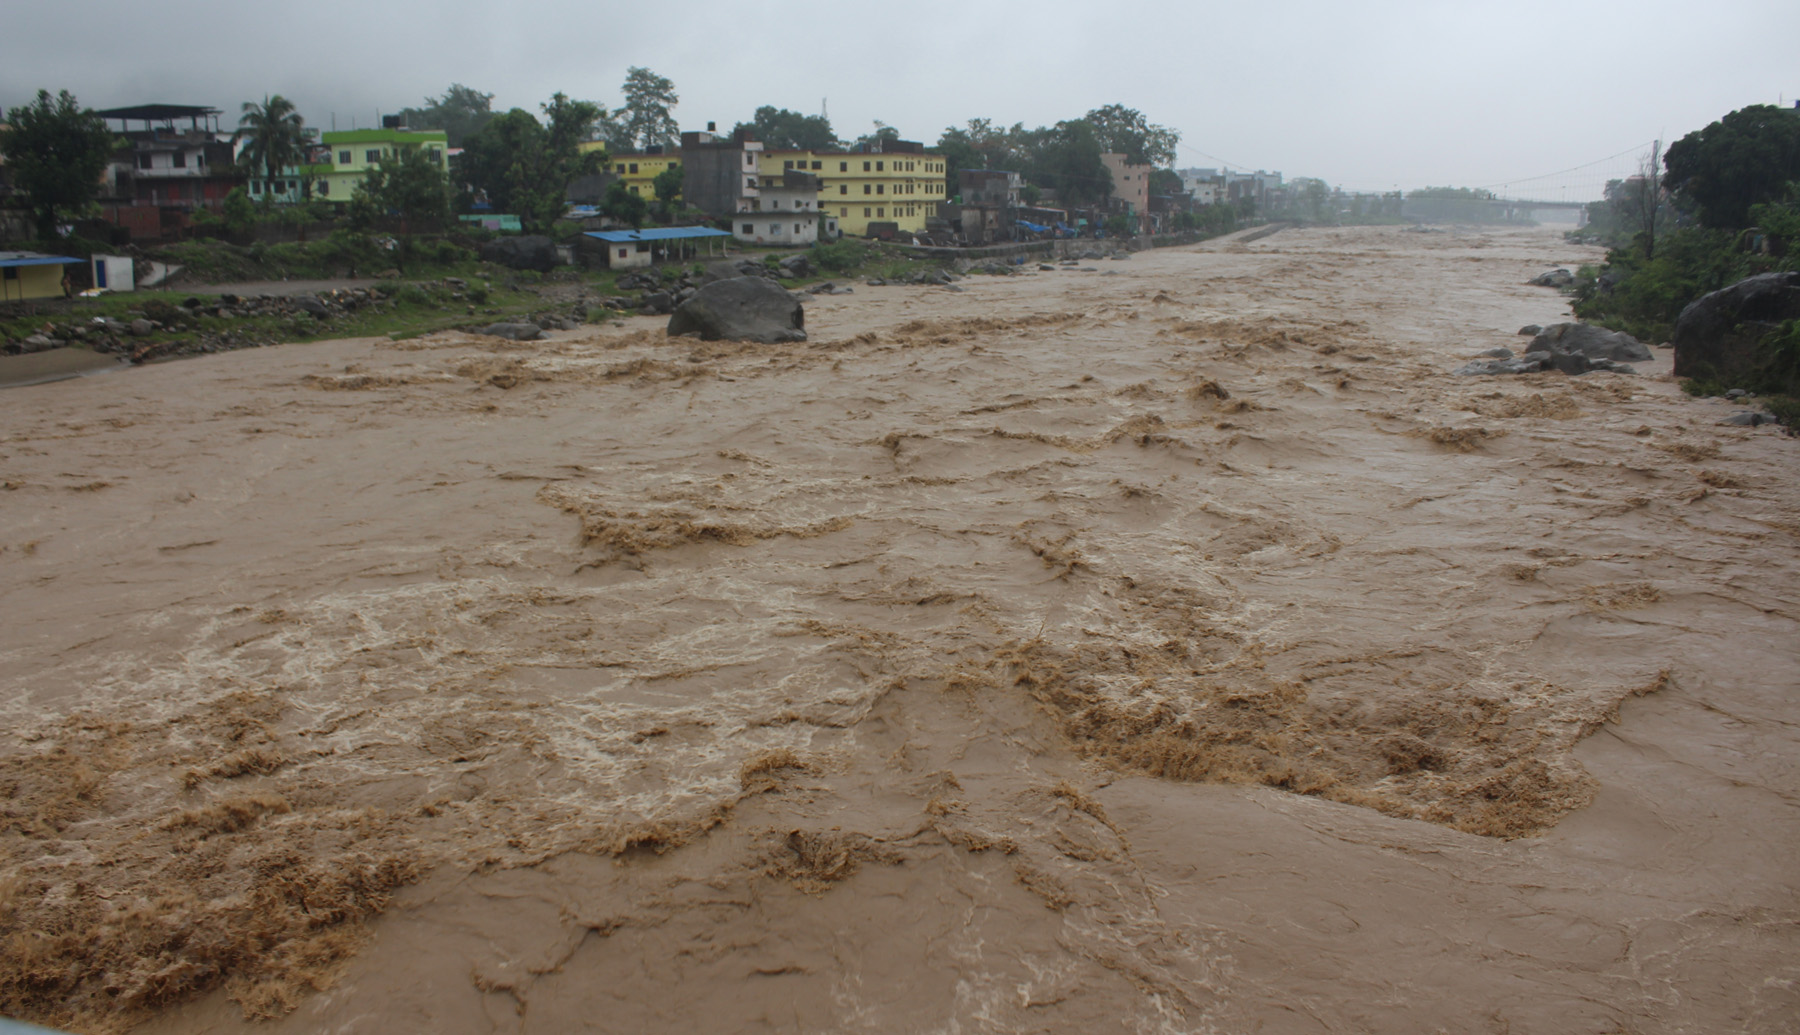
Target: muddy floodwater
1170 645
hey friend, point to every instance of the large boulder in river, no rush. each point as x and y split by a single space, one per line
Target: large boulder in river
742 308
1576 348
528 252
1717 335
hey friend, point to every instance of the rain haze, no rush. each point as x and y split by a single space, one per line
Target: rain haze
1367 96
536 579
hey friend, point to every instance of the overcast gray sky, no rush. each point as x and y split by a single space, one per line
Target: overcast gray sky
1366 95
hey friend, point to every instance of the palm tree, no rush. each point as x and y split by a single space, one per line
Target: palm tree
274 136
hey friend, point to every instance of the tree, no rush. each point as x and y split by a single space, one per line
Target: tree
410 184
525 167
668 184
57 151
649 111
623 205
1066 158
781 129
868 141
460 113
1743 159
1165 181
274 137
1123 130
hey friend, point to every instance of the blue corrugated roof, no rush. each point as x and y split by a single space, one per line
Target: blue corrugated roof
657 233
33 259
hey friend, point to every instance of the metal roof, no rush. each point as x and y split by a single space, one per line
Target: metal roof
158 112
657 233
34 259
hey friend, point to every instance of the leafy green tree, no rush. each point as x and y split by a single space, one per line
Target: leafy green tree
1123 130
668 184
57 151
524 167
410 184
779 128
274 137
1165 181
1745 158
623 205
239 211
1065 158
648 117
881 133
460 113
981 145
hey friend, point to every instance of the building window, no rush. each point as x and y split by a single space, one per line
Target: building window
843 167
880 188
324 188
844 212
843 188
624 253
634 189
142 163
371 157
634 167
878 167
775 228
865 211
620 169
787 165
818 165
179 159
256 186
865 167
868 189
749 228
343 158
881 213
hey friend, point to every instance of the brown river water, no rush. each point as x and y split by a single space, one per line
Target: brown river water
1175 646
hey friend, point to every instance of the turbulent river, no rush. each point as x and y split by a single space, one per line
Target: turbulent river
1171 645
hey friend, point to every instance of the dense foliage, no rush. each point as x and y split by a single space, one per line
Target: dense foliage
409 184
781 129
460 113
524 167
1731 210
56 151
1746 158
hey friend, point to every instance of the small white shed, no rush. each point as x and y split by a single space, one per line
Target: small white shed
113 272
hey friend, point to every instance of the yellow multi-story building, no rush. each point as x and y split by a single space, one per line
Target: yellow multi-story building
902 184
638 171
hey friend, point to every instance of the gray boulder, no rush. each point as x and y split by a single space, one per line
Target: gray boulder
1530 363
743 309
1748 419
141 327
1718 336
311 304
514 331
796 266
1576 348
527 252
659 303
1531 329
1553 278
1499 353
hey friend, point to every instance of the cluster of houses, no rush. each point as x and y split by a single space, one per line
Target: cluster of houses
176 160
